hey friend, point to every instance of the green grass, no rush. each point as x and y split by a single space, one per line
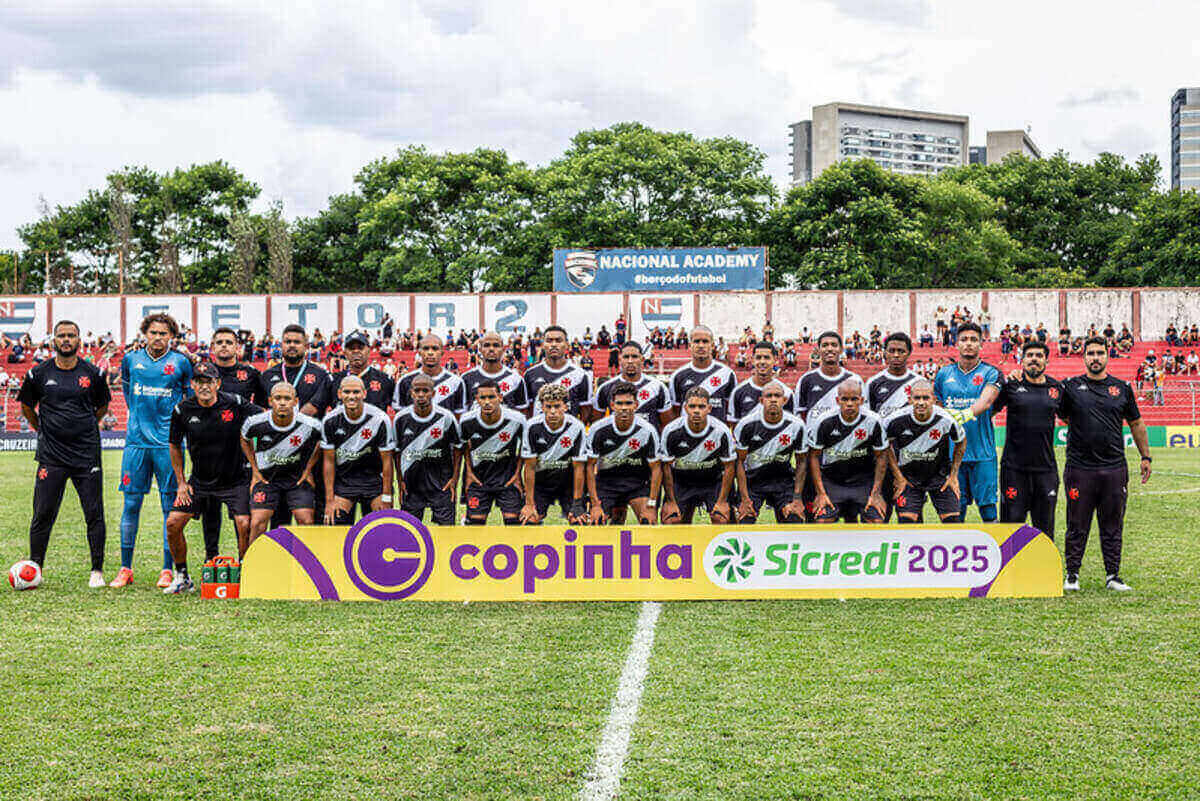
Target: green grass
134 695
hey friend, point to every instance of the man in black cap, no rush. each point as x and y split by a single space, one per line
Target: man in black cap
378 386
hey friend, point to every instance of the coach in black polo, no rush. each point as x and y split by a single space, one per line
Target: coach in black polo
1095 406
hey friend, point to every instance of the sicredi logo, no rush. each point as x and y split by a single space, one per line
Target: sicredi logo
808 560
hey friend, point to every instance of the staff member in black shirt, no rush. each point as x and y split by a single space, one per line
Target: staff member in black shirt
1028 469
376 384
64 399
1095 405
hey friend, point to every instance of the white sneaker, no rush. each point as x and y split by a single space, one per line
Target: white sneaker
181 582
1115 584
1071 582
96 580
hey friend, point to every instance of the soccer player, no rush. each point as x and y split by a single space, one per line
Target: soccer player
767 439
847 457
555 369
447 386
967 390
210 421
817 390
888 389
654 401
919 457
153 380
281 446
1095 405
698 460
717 378
428 455
491 368
357 440
747 396
63 399
380 388
623 468
491 438
1028 468
552 449
314 388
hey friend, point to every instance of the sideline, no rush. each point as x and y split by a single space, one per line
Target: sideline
604 779
1165 492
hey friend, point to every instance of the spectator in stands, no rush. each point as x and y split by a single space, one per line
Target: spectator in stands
1194 335
3 381
1110 333
17 354
41 354
1006 343
952 331
619 329
1041 333
1151 358
587 338
1139 377
814 359
1172 336
614 357
985 322
1159 378
1192 364
805 336
939 319
682 340
1125 339
1077 346
109 422
603 338
876 336
586 361
925 340
789 353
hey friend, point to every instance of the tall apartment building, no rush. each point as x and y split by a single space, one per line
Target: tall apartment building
1185 139
1001 143
900 140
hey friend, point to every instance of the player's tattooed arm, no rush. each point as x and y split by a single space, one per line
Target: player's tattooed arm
876 497
529 510
746 507
821 501
670 509
721 512
899 482
986 398
596 513
796 506
656 478
951 482
384 501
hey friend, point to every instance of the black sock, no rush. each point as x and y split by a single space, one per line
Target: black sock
181 567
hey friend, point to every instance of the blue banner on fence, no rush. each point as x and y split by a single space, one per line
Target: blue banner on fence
658 269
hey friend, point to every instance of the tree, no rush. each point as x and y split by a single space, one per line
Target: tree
245 253
279 250
330 250
120 220
1161 247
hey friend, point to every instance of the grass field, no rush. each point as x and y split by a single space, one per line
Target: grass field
135 695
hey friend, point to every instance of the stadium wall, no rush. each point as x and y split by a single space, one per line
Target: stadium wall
1146 311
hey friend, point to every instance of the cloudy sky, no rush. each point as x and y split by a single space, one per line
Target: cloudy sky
299 97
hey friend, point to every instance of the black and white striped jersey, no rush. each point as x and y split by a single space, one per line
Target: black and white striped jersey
696 459
282 452
816 393
717 378
770 447
923 449
494 449
359 448
555 450
571 377
747 396
512 388
622 457
847 448
884 393
652 396
448 391
424 449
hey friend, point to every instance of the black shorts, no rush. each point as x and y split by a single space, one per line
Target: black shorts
849 503
616 496
439 504
267 495
236 500
945 502
480 500
543 499
357 502
776 496
689 499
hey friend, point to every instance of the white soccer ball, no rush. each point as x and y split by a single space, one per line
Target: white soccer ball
24 575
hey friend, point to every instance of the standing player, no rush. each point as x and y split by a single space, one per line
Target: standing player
1028 469
211 422
281 446
428 455
623 468
491 437
767 439
153 380
653 400
715 377
314 389
552 449
1095 405
379 387
919 457
357 441
747 395
817 390
555 369
491 368
888 389
847 457
63 399
697 458
967 389
447 386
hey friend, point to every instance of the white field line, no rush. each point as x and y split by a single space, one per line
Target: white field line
604 779
1167 492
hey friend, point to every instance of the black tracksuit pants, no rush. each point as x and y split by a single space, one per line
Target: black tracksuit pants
1099 492
1029 492
47 499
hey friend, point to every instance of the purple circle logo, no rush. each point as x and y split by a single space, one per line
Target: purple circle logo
388 554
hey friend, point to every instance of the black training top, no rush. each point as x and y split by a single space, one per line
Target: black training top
1095 412
242 379
67 402
1029 432
213 435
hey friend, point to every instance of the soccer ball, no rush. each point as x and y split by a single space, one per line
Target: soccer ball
24 575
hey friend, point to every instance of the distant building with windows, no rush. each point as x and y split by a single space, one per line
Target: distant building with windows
1001 143
900 140
1185 139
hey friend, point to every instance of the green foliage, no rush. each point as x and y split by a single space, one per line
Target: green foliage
1162 246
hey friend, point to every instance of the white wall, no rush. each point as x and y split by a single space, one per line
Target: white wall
727 313
15 312
100 314
888 310
1021 307
366 312
235 311
795 310
137 307
445 312
929 301
1163 306
1099 307
575 312
518 314
310 311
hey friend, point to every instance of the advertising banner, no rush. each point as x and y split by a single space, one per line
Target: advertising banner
516 314
23 315
234 311
391 556
27 440
1155 435
659 269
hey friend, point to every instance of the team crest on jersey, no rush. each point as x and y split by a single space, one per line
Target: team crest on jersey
375 386
635 444
1073 493
977 380
1114 391
1010 493
709 445
227 416
860 433
84 381
1053 393
42 473
295 440
565 442
366 433
310 379
242 375
935 435
169 369
435 432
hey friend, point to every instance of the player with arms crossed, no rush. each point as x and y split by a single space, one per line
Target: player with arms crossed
555 369
767 439
703 371
491 368
623 468
920 458
448 389
748 394
552 449
654 402
379 388
698 460
1028 467
281 446
428 455
210 421
847 457
153 380
357 441
491 438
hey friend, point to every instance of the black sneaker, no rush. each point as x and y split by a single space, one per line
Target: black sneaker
1071 583
1115 584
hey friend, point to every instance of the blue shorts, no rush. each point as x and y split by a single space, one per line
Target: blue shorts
139 465
978 481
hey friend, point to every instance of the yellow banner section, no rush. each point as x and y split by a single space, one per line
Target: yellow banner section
1183 436
390 555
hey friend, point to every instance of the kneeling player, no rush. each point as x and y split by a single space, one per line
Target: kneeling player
847 459
281 446
357 441
766 439
920 436
552 450
697 461
427 455
623 468
491 436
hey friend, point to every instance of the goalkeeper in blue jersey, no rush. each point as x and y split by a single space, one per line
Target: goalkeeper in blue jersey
967 390
153 379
